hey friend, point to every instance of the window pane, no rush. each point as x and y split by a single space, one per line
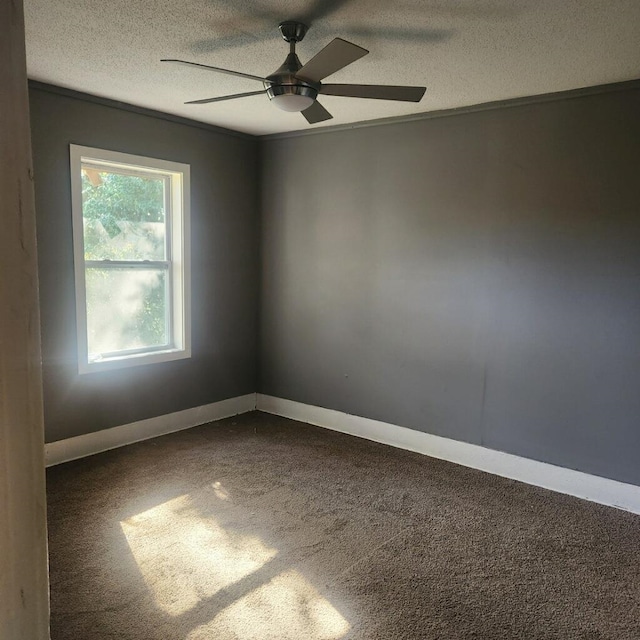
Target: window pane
123 215
126 309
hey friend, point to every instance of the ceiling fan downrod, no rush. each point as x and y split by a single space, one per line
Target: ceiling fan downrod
285 90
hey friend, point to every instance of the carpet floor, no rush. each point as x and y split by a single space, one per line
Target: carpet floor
260 528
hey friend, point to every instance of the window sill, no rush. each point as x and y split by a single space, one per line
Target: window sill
134 360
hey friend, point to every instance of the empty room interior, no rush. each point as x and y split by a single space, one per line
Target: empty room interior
339 320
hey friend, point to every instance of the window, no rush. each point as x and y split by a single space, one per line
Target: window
131 254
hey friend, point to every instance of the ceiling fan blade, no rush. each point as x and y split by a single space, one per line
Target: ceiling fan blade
316 113
375 91
335 56
221 98
220 70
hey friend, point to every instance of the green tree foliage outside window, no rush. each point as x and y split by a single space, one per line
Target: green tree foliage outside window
118 203
124 219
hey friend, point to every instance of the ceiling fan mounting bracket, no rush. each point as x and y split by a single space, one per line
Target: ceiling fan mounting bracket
292 31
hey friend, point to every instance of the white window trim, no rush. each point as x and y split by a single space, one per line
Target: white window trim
180 232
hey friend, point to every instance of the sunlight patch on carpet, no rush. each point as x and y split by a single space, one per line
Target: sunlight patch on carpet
186 557
287 607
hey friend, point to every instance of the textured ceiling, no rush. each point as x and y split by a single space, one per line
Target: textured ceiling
465 51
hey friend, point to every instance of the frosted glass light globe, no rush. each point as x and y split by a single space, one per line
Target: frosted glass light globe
291 102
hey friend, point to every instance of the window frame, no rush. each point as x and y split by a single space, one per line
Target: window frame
177 259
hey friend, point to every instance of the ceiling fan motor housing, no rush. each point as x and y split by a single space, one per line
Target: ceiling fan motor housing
288 92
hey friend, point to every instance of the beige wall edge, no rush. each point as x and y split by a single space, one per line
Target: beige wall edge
24 591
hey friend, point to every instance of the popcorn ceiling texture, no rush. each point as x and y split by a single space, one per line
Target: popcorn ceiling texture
465 51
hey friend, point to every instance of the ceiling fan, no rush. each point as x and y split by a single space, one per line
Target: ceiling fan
295 87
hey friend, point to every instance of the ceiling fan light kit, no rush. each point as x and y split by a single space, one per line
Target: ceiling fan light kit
295 87
292 99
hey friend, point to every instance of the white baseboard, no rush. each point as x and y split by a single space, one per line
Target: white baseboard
574 483
90 443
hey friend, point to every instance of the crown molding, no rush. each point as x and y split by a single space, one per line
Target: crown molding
617 87
35 85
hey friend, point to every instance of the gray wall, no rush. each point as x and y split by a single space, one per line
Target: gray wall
474 276
224 190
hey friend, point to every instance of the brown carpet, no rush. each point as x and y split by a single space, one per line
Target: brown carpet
258 527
